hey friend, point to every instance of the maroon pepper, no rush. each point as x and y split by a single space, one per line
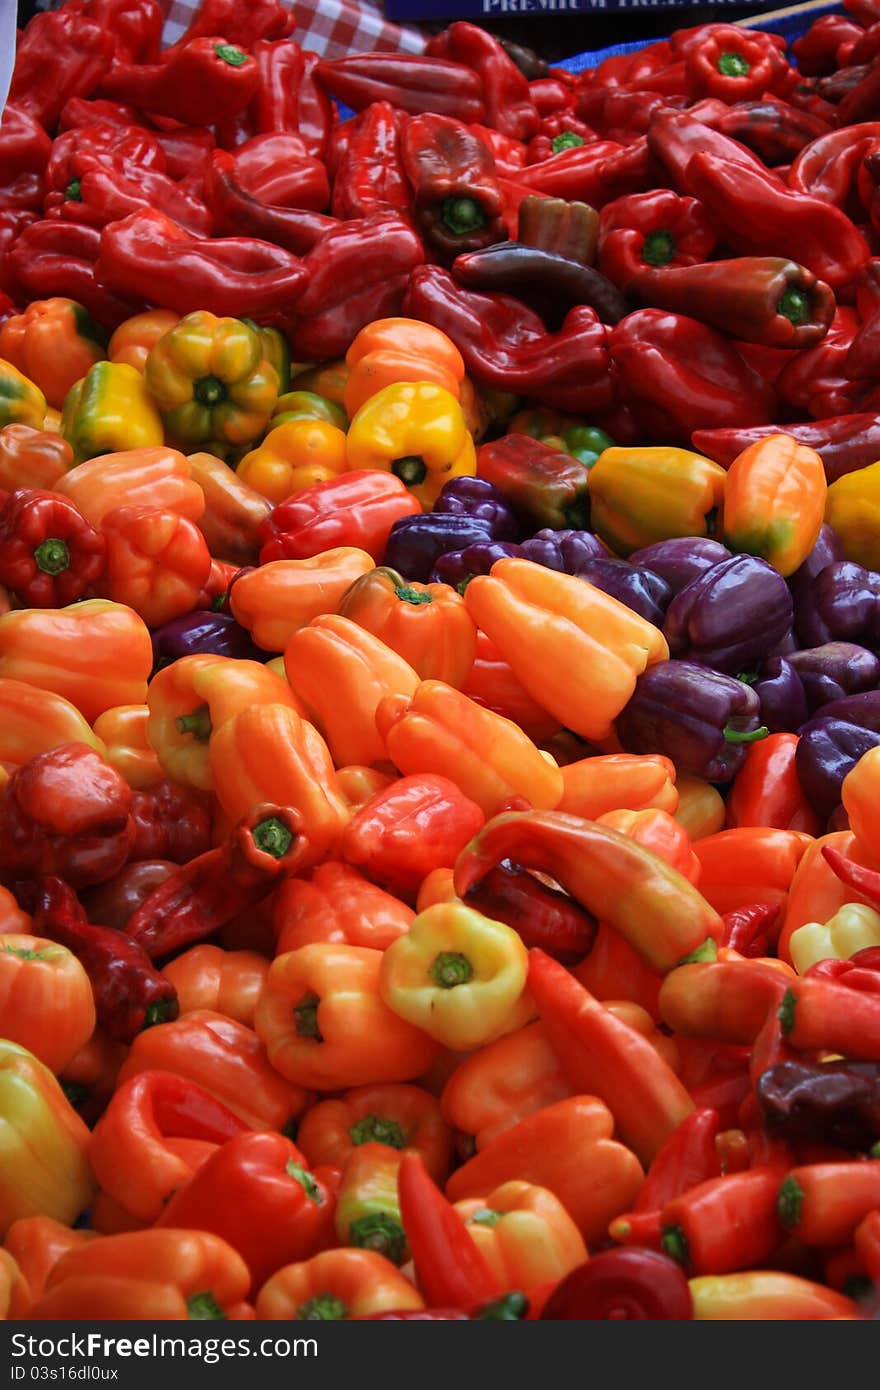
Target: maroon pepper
846 442
409 82
171 822
774 130
622 1284
238 213
211 889
456 197
130 994
542 916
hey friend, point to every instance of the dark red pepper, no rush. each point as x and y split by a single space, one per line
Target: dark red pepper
622 1285
409 82
171 822
456 198
746 929
846 442
237 213
542 916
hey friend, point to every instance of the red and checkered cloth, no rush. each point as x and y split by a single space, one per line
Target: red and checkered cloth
333 28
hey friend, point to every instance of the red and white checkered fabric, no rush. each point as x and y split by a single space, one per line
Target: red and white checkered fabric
333 28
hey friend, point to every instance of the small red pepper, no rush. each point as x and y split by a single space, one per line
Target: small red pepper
688 1157
509 104
735 64
290 97
61 54
369 176
819 1013
746 929
49 554
53 258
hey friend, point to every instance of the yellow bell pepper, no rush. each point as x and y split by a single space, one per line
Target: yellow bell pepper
21 401
852 508
457 975
525 1234
854 927
211 380
110 410
573 648
639 496
44 1166
417 431
127 748
292 457
701 808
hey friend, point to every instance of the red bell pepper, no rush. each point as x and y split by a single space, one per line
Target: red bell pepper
290 98
100 194
234 276
409 82
823 48
509 105
61 54
593 173
237 213
53 258
128 149
815 381
24 153
652 229
197 82
828 166
456 197
136 26
257 1193
734 64
49 554
356 509
369 176
766 790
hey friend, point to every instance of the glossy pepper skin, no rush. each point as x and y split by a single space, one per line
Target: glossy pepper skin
542 916
679 375
210 380
544 486
549 283
197 82
53 342
457 200
774 502
109 408
845 442
700 623
355 508
509 105
712 740
156 562
657 228
427 625
47 999
66 812
339 1284
767 791
417 543
417 431
129 993
60 56
451 1267
831 744
507 348
236 211
231 276
640 496
49 554
51 259
396 1116
410 83
370 175
837 1101
201 633
571 850
633 1284
525 608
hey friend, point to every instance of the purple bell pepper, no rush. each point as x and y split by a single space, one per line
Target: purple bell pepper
640 589
479 498
781 693
831 744
416 542
842 604
835 670
827 551
703 720
732 616
458 567
681 560
203 631
564 551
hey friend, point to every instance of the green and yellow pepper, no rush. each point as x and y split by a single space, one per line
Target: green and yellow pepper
110 410
642 495
21 401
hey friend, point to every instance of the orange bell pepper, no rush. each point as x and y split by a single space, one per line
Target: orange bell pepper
525 1235
275 600
859 797
156 562
816 893
618 781
544 623
566 1147
54 342
766 790
752 864
427 624
325 1025
399 1116
133 478
133 339
360 784
32 458
293 456
603 1055
774 501
225 1058
342 673
614 970
36 1243
337 1284
267 753
190 700
659 832
701 809
502 1083
46 999
96 654
443 731
90 1077
727 1000
233 511
437 887
620 882
492 683
15 1291
123 733
399 349
33 720
338 904
44 1168
147 1275
226 982
766 1295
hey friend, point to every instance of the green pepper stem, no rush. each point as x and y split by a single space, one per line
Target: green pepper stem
379 1231
230 54
745 736
674 1242
794 305
733 65
510 1307
658 248
375 1129
785 1012
707 951
203 1307
306 1015
566 140
461 215
486 1217
272 837
789 1203
163 1011
411 470
52 556
198 724
305 1180
209 391
73 191
407 594
324 1307
451 968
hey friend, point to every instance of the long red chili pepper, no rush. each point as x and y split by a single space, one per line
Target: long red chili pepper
451 1269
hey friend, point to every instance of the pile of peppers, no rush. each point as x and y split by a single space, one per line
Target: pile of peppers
439 676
